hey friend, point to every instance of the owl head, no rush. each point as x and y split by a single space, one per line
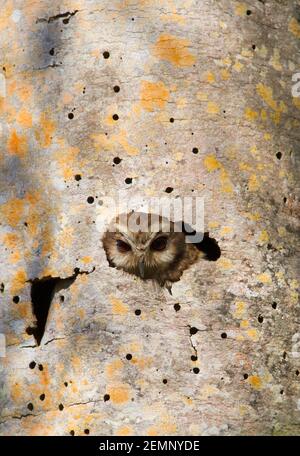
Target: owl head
146 245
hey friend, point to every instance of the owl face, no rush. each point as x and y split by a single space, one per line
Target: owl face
147 249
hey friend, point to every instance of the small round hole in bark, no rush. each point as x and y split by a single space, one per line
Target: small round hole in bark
106 397
196 370
71 115
106 55
16 299
32 364
137 312
128 356
177 307
224 335
90 199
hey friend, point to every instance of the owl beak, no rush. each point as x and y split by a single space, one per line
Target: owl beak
142 268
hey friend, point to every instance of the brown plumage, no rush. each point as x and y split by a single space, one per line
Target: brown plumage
155 249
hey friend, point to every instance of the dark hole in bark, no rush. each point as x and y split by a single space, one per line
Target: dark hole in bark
42 293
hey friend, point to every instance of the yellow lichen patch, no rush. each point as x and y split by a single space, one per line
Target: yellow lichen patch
16 392
23 91
240 309
226 230
119 394
66 159
102 142
173 50
124 430
267 136
24 118
14 257
264 277
211 163
212 108
11 240
266 93
17 144
253 183
250 114
113 368
13 211
210 77
253 334
255 382
142 362
118 306
18 281
264 236
294 27
244 324
45 131
240 9
154 95
225 75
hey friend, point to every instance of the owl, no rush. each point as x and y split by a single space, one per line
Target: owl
154 248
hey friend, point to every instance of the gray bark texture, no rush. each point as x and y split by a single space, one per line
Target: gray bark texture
203 94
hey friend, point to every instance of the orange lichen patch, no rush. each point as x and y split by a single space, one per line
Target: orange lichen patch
240 9
119 394
173 50
45 131
18 281
122 140
24 118
113 368
255 382
264 278
264 236
24 309
13 211
76 362
44 376
11 240
102 142
154 95
15 257
294 27
240 309
124 430
17 144
253 183
212 108
118 307
142 362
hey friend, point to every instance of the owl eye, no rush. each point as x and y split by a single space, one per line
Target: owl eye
123 246
159 243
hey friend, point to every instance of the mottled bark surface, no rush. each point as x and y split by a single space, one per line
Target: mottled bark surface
204 106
